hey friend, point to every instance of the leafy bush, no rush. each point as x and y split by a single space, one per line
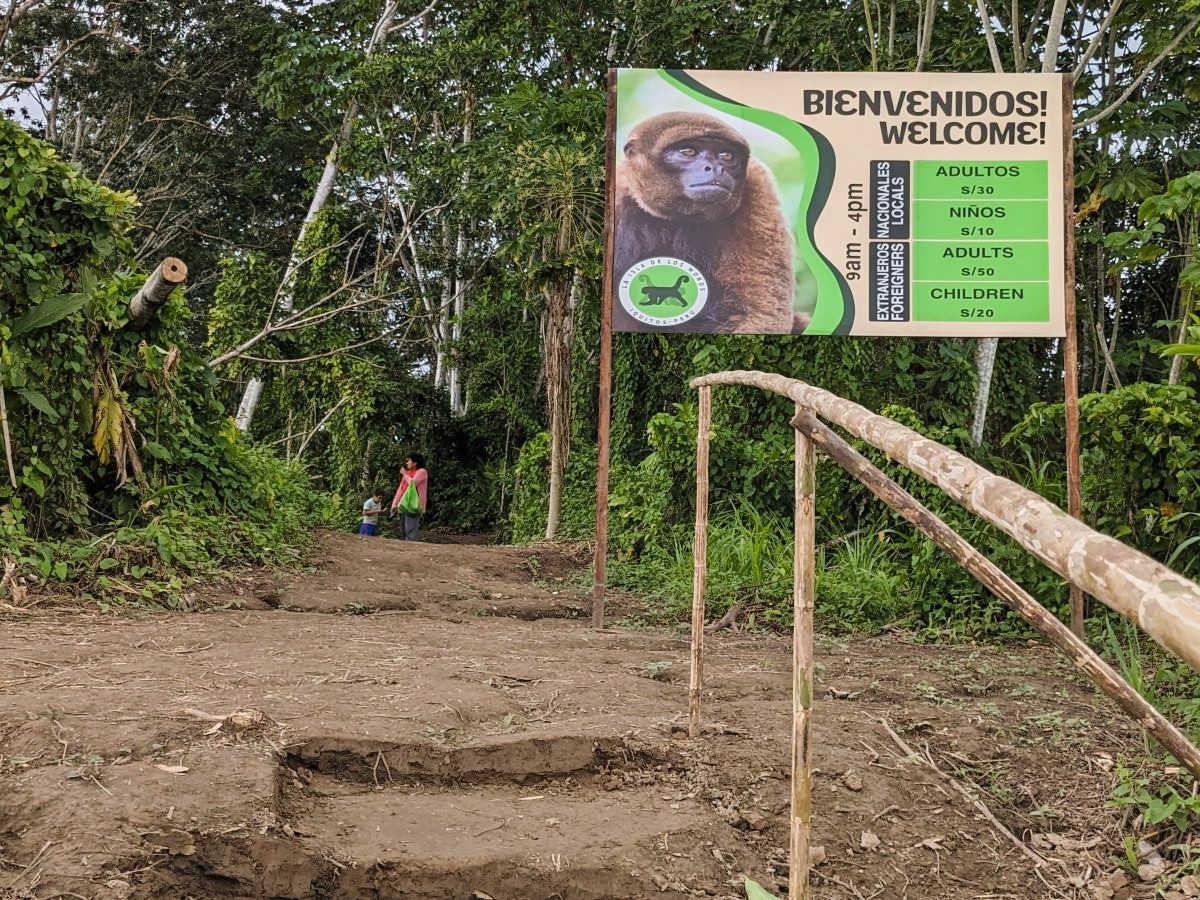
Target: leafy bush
860 587
1140 456
126 473
531 492
859 584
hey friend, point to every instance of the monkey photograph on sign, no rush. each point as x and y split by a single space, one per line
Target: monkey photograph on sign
689 192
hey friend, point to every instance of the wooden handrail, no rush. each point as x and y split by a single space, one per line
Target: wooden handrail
1163 603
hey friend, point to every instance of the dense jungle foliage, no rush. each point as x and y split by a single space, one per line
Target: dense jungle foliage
392 216
122 471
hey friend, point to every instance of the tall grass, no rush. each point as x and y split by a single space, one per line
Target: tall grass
1166 682
859 584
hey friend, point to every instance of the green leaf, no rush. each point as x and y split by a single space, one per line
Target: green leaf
1195 538
39 486
1180 350
38 401
49 311
755 891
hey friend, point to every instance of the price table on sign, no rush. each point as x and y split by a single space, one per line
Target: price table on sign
955 241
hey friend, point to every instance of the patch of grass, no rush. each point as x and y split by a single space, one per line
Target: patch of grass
657 670
860 585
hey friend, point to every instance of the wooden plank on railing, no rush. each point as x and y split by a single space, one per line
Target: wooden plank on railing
1163 603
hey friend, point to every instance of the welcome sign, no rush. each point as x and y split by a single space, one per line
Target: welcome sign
838 203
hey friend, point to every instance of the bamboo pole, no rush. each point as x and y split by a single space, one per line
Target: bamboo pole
1071 334
996 581
803 597
1163 603
699 561
171 273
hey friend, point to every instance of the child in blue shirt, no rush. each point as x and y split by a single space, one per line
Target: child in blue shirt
370 514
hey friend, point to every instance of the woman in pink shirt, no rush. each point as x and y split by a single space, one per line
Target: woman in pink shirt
414 473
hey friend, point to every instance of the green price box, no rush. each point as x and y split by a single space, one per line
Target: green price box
1004 220
969 260
992 301
980 180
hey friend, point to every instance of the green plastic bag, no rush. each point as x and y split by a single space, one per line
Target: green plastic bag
410 500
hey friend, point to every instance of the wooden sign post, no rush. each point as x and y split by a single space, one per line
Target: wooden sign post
606 337
1071 339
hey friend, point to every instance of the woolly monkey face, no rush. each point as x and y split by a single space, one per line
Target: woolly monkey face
688 165
709 170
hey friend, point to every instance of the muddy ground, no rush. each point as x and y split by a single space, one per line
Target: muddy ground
439 721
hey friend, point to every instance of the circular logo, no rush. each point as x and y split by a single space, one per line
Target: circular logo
663 291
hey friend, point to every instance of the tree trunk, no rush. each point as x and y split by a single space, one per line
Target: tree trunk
1053 36
250 398
1185 318
7 439
985 365
925 33
320 197
461 284
441 322
1186 296
1116 325
557 344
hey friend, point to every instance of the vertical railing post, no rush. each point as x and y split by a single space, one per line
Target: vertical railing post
700 560
803 597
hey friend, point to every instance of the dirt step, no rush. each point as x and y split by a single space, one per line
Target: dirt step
509 843
347 602
512 759
532 608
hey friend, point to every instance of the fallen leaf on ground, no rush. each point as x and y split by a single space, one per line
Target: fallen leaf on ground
1153 869
755 891
1111 887
174 770
1049 840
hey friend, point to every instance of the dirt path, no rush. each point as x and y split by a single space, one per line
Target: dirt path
429 721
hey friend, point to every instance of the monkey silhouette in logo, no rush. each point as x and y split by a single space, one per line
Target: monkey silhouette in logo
656 296
688 188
